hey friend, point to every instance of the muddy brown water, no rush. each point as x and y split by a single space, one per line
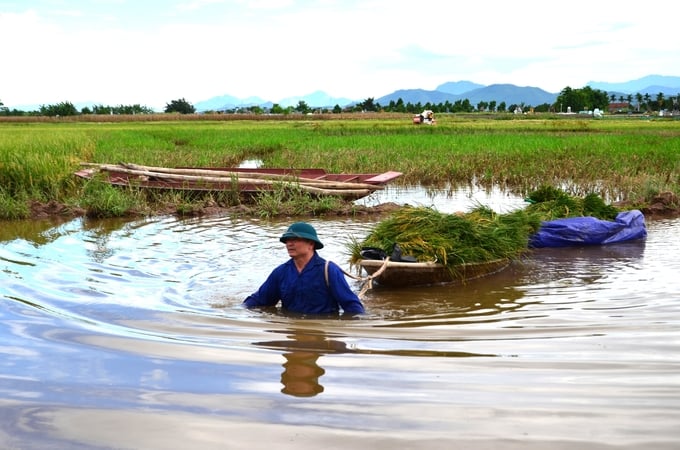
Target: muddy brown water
130 335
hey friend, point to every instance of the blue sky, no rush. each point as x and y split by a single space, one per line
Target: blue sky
150 52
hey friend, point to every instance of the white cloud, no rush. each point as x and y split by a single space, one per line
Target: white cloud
121 52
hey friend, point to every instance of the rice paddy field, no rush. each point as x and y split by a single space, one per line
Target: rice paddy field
620 159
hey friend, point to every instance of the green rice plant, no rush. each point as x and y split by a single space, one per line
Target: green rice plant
226 198
594 205
614 158
551 203
192 203
39 165
11 207
187 202
103 200
291 200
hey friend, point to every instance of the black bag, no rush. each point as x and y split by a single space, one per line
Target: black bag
398 257
373 253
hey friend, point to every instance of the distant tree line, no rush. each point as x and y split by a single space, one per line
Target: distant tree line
68 109
585 99
576 100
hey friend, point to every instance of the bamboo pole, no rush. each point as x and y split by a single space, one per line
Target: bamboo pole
219 175
312 187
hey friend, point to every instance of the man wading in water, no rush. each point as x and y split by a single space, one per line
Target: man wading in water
306 283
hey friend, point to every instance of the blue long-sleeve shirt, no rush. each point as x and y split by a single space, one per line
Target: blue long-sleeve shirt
306 292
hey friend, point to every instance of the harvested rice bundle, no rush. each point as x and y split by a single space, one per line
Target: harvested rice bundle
552 203
478 236
452 239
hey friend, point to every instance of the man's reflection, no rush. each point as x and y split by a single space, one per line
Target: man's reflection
301 373
303 348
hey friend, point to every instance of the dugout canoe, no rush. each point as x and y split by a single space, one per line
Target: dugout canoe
404 274
246 181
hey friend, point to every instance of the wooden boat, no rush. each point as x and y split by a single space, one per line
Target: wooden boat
401 274
246 181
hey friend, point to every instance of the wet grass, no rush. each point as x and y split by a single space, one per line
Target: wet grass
292 201
617 159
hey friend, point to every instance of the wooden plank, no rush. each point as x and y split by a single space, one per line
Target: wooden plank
383 177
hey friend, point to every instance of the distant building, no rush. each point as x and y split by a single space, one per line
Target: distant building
619 107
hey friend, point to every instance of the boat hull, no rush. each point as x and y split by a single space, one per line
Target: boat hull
403 274
245 181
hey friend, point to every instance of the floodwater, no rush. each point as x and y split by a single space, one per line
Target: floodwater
131 335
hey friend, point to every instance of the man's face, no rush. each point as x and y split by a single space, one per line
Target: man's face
299 247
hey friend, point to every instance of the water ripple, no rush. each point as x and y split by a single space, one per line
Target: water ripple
117 318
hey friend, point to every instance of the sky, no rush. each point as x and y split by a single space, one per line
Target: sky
150 52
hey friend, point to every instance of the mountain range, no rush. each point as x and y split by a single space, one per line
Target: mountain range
454 91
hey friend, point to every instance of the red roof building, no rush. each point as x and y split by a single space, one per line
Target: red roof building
619 107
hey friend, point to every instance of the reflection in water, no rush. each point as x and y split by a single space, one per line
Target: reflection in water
301 371
581 266
479 300
39 232
102 236
301 374
304 347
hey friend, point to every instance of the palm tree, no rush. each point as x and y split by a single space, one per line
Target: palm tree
660 100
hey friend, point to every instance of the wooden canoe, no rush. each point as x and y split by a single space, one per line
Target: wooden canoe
247 181
402 274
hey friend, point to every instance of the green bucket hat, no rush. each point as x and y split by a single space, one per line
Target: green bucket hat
302 230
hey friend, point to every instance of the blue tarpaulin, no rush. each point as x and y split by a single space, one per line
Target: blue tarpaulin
627 226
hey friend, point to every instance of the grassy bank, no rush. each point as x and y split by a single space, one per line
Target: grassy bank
618 159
